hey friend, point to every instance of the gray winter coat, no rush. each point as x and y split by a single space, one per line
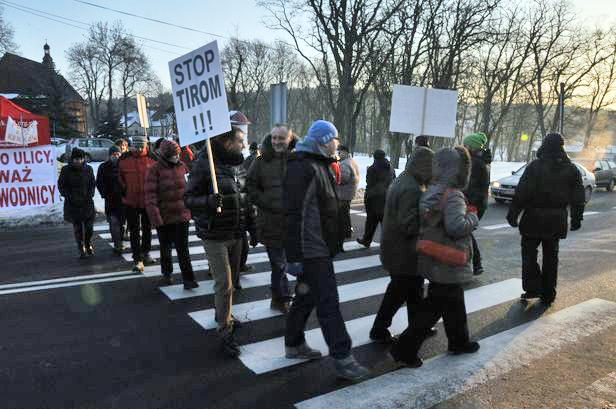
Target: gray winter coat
348 184
451 171
401 220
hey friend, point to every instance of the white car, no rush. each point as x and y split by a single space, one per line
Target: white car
503 189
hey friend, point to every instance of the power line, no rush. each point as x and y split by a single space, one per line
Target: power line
173 24
46 15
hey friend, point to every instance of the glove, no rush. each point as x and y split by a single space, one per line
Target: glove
512 220
472 209
214 200
253 240
576 225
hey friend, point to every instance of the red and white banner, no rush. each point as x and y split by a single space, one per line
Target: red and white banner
20 127
28 177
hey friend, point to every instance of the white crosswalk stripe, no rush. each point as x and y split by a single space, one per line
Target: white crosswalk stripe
443 377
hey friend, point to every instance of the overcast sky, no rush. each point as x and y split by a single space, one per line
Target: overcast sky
226 18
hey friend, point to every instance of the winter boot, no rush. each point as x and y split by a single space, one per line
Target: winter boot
229 346
118 249
138 268
398 355
89 249
81 250
349 369
478 271
380 335
529 295
280 304
190 284
468 348
165 280
302 351
363 243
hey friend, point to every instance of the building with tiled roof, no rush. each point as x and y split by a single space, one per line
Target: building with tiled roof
38 85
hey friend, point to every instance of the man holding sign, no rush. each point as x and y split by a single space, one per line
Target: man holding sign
221 218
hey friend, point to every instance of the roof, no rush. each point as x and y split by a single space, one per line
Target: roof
26 77
133 118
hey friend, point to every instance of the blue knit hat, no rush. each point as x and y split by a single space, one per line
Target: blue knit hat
321 132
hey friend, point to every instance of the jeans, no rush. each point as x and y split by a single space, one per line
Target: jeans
537 280
446 301
116 222
401 289
223 257
140 232
175 234
278 262
83 232
316 286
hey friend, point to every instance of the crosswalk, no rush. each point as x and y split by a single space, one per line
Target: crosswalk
362 280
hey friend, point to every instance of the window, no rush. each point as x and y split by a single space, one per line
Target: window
83 143
105 143
597 165
612 164
604 165
94 143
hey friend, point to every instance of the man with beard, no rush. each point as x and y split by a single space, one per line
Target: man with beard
264 186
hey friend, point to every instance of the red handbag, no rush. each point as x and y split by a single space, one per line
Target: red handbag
434 242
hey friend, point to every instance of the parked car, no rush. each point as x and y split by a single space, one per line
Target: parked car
59 145
604 170
58 141
503 189
96 149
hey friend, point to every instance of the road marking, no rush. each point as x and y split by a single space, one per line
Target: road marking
177 292
252 258
69 284
444 376
353 211
65 279
496 226
268 355
590 213
155 242
105 227
258 310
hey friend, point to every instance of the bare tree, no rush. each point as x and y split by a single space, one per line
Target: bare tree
234 64
344 34
110 43
89 75
6 35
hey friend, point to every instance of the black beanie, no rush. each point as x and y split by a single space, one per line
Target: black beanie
77 153
379 154
114 149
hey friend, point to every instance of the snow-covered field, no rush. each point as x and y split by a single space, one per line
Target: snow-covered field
54 213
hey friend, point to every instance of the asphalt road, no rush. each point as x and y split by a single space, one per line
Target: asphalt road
91 334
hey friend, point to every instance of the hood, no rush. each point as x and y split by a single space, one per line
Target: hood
451 167
309 145
420 165
512 180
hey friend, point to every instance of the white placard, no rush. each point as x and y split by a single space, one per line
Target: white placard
423 111
27 177
142 108
199 97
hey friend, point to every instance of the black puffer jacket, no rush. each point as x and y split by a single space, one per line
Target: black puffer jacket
311 207
108 185
77 185
378 178
236 215
477 191
549 184
264 186
401 219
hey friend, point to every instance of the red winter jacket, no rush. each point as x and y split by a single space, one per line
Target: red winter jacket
133 169
164 193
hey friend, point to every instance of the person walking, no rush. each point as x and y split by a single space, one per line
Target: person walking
478 188
133 168
108 185
77 185
398 241
549 185
264 186
346 189
221 231
165 184
378 178
443 206
312 240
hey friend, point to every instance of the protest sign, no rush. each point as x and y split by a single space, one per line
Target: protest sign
423 111
199 96
27 177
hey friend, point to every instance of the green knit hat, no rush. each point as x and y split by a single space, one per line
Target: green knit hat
475 140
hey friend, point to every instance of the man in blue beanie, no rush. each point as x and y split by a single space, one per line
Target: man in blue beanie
312 240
